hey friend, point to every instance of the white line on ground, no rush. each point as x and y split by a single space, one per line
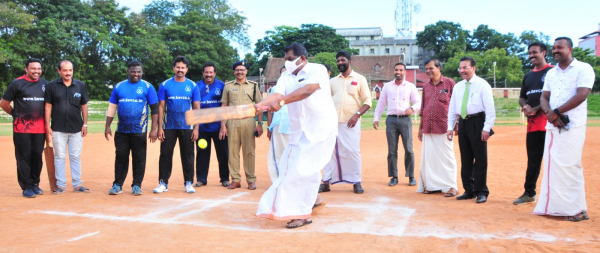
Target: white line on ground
83 236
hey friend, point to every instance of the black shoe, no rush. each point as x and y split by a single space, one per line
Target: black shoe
199 184
225 183
358 189
393 181
412 181
465 196
481 199
324 187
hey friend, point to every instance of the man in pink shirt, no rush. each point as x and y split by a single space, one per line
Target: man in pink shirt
398 95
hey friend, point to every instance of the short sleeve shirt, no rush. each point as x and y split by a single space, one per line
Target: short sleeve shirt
435 104
563 84
66 104
531 91
241 93
132 100
179 98
210 97
28 98
315 116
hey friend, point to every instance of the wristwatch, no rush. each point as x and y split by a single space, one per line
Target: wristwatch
260 123
358 113
281 102
556 111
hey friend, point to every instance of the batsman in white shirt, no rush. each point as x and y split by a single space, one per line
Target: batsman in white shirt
313 131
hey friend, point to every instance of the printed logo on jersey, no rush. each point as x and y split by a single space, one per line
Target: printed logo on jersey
544 78
139 91
44 87
77 95
188 88
217 92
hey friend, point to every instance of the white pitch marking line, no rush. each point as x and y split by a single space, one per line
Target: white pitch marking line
166 210
212 204
83 236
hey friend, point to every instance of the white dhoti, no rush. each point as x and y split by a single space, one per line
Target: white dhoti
278 143
438 165
345 166
563 189
294 193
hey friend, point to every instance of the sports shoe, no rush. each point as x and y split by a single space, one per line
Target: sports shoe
37 190
524 199
189 188
29 193
162 187
137 191
115 190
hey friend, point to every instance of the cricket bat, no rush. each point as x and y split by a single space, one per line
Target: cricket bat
208 115
49 155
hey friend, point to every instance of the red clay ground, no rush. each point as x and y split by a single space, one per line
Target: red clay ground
384 219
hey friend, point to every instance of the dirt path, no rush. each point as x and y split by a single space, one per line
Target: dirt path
384 219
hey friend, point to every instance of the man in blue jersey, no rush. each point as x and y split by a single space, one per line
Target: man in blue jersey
211 90
176 96
131 99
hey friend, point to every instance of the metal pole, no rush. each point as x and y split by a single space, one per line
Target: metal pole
494 74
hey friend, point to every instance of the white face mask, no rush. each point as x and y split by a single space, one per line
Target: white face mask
291 65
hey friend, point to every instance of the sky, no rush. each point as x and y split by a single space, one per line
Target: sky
573 18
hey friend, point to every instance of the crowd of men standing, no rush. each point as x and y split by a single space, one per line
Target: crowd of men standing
552 98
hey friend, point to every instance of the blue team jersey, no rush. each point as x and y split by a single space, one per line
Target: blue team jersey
178 97
132 100
210 96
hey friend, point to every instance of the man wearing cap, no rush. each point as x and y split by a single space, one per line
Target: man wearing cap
241 132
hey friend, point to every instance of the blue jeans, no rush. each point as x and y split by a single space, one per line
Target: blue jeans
74 142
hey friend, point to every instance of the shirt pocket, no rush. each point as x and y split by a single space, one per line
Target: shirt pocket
443 97
234 96
352 89
475 99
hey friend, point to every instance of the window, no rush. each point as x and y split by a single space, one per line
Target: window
372 51
372 37
358 51
377 68
387 51
357 37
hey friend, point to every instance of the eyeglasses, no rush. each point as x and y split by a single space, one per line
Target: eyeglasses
239 70
463 68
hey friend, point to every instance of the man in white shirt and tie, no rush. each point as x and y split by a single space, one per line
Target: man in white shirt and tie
472 103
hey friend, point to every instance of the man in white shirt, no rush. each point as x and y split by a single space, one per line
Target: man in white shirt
313 130
278 133
564 100
472 102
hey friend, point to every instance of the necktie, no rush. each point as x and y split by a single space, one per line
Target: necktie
463 110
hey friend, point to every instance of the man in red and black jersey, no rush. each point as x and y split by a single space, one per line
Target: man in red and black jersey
531 91
27 94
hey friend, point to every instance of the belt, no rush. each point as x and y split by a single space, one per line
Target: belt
470 116
398 116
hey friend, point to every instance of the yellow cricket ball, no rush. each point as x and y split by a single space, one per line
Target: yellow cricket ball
202 143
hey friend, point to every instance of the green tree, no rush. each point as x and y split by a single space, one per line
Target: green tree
444 38
329 59
14 20
484 39
316 38
507 67
586 55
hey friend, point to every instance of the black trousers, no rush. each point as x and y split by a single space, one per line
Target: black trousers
186 150
203 157
535 153
28 153
137 145
473 156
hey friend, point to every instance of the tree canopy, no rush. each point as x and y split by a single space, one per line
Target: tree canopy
100 37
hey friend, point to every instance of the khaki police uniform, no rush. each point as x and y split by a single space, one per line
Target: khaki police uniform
240 132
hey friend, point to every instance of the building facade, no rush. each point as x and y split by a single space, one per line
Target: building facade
591 42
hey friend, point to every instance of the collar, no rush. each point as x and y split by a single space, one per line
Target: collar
545 66
352 74
441 80
29 79
238 83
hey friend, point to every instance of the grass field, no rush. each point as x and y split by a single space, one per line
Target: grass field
507 114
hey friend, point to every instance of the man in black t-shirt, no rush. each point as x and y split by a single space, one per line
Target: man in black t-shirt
531 92
27 94
66 103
